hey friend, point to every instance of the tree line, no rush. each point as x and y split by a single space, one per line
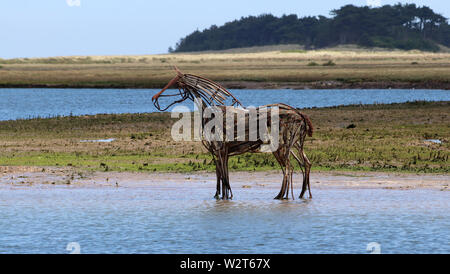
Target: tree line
391 26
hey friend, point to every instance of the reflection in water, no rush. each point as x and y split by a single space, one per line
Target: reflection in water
184 218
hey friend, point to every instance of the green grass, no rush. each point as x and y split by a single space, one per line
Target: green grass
312 64
330 63
384 138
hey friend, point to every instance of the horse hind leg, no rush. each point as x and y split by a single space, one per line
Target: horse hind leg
292 181
280 195
289 182
303 167
283 169
308 164
287 159
307 172
300 164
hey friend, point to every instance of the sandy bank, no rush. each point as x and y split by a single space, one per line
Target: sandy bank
34 176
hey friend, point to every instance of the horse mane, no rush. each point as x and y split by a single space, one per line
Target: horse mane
210 91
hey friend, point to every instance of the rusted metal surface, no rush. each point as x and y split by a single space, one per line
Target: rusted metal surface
294 126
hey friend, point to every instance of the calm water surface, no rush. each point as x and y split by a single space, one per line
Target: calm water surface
26 103
183 218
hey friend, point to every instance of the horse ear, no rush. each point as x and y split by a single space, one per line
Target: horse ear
177 71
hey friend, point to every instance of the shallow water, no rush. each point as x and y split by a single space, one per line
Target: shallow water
26 103
99 141
183 218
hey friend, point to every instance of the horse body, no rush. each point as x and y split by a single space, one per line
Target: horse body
293 128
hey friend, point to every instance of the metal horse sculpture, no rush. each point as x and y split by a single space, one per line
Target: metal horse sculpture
293 128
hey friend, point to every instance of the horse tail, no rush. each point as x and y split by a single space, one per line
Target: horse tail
309 125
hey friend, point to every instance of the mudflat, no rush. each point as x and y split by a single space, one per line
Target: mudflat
38 176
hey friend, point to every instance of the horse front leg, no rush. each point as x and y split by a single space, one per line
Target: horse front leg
223 180
226 193
219 179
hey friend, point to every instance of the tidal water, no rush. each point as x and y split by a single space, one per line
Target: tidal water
29 103
183 218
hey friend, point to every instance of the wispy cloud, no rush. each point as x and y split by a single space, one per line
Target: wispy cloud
73 3
373 3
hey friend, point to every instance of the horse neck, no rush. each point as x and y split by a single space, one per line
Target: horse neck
200 103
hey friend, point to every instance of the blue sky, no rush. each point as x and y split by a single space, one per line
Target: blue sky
40 28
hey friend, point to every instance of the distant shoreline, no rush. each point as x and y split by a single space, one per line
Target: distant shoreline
321 69
259 85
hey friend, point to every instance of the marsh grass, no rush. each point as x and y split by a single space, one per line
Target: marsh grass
312 64
382 138
153 71
330 63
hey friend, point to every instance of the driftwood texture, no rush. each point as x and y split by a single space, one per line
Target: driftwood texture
294 126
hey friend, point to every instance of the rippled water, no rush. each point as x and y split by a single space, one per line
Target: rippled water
183 218
26 103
